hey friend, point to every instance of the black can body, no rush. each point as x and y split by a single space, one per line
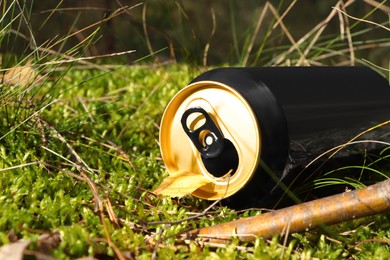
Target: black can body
302 112
248 134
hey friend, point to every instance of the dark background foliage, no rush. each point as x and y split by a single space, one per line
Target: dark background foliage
181 30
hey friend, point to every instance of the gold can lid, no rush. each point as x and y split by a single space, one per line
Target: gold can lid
234 117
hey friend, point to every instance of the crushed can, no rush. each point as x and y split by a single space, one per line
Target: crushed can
247 129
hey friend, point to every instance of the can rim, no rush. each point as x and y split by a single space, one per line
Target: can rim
220 188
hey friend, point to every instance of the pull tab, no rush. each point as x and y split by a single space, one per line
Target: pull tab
207 138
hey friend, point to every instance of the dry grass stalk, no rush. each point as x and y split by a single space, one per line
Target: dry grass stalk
357 48
257 28
362 20
213 30
381 6
317 30
294 44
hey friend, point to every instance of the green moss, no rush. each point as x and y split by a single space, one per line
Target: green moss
111 122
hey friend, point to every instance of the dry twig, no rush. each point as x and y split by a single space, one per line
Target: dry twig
330 210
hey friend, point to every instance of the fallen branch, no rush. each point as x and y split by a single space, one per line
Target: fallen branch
303 217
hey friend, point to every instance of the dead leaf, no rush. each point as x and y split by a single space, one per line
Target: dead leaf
181 184
14 250
21 76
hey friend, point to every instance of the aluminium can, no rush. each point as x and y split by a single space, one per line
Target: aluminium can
245 129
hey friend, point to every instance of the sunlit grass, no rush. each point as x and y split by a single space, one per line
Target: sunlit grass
79 155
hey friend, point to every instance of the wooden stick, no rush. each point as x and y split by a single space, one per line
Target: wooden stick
326 211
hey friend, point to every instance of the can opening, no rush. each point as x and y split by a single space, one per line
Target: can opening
226 162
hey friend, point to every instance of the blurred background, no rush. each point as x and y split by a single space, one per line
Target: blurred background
247 33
